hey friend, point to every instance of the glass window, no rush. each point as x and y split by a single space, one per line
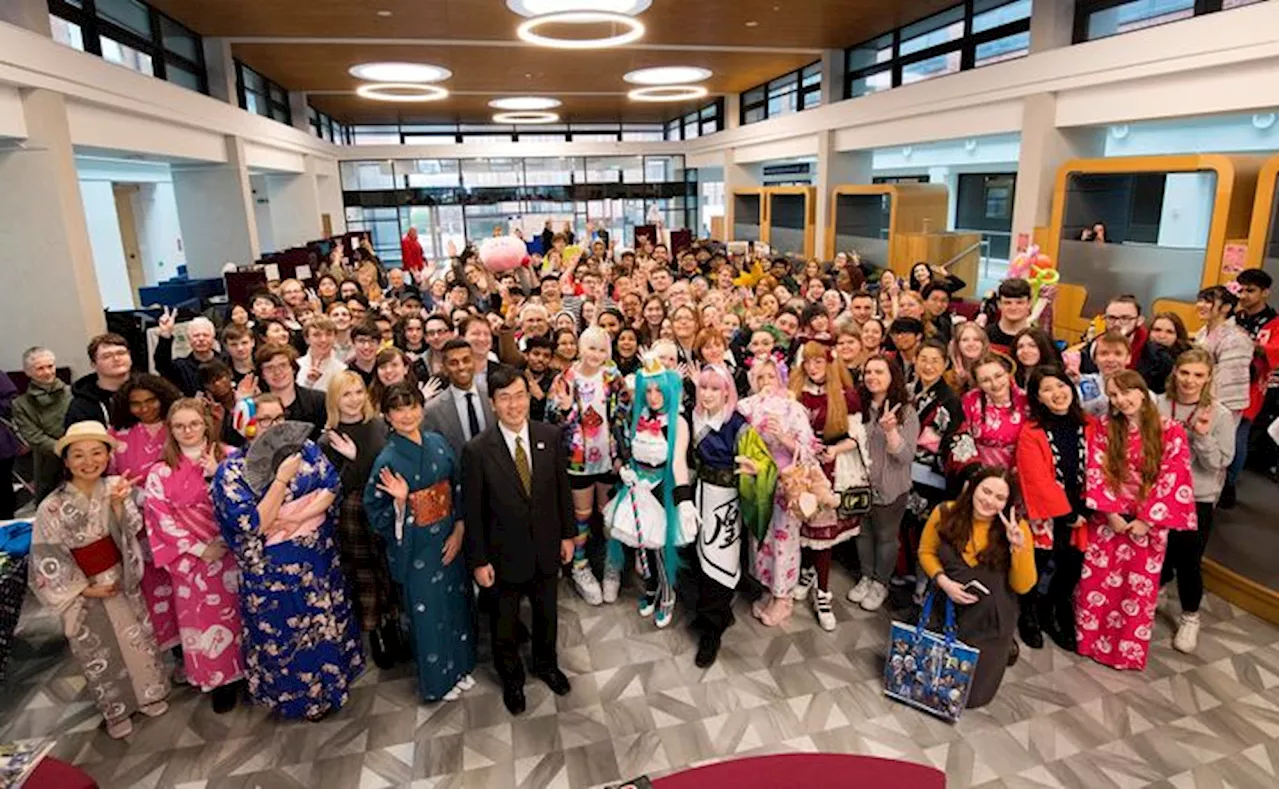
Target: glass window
872 53
936 66
486 139
1007 48
426 173
931 32
642 136
375 135
753 115
178 40
595 137
492 172
252 80
130 58
988 14
551 171
663 169
66 33
614 169
281 114
129 14
179 75
367 175
1136 15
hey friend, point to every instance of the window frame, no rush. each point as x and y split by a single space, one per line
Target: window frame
673 129
267 94
93 28
779 88
1087 8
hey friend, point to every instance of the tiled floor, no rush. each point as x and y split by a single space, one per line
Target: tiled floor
640 706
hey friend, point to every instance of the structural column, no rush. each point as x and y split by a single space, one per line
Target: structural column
215 212
1044 149
295 206
298 110
736 176
220 67
834 168
48 278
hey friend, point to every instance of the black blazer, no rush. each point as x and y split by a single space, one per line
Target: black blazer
519 535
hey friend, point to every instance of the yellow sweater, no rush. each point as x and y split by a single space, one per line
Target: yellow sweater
1022 565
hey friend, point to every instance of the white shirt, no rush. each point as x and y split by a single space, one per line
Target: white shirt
460 403
510 437
328 369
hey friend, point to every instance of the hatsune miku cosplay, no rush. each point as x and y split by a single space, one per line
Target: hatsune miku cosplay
652 511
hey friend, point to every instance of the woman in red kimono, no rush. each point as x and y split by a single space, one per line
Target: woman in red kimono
994 414
1138 485
829 399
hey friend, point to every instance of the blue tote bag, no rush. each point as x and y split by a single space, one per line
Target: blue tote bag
928 670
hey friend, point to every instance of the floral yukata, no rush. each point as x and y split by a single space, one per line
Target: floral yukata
302 648
777 556
77 541
989 436
139 450
1116 597
180 510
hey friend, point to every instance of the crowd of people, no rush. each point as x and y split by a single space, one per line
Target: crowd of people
385 464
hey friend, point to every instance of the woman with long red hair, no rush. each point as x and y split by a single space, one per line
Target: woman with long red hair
1138 485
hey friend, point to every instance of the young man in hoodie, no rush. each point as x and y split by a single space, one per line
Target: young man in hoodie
112 366
38 414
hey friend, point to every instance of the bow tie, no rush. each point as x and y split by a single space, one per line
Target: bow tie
649 425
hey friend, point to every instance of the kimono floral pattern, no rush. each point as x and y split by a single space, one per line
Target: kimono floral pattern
1116 596
302 648
180 509
989 434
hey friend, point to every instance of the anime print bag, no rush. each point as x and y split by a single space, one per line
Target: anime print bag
929 670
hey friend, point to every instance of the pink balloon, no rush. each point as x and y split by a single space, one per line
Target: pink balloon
503 253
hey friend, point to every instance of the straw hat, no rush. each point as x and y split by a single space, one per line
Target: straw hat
85 431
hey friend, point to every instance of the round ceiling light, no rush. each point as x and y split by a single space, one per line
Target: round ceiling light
528 117
400 72
533 8
401 91
525 103
667 75
634 29
668 93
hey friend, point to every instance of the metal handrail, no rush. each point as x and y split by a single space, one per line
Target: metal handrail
971 248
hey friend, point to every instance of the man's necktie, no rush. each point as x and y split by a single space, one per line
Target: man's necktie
473 420
522 466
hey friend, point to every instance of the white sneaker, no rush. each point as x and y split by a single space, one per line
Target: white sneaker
822 610
587 585
665 613
612 583
808 577
859 591
875 597
1188 633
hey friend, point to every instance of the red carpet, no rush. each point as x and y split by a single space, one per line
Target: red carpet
807 771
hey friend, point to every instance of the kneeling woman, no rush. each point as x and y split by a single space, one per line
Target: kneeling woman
302 647
981 558
87 564
654 511
413 499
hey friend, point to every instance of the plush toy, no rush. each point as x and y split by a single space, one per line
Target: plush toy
503 253
806 490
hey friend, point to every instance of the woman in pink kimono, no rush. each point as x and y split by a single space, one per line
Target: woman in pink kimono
187 543
994 414
137 423
1138 484
784 425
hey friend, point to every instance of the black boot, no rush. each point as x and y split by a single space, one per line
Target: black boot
1227 500
224 698
1064 627
383 656
708 649
1029 621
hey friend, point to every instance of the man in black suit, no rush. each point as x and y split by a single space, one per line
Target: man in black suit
516 539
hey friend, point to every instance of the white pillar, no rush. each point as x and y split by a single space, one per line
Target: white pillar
30 14
298 110
835 168
215 211
295 207
1044 149
736 176
732 114
1052 25
947 177
48 272
219 65
833 61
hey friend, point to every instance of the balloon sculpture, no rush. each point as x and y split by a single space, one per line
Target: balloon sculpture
1035 267
503 253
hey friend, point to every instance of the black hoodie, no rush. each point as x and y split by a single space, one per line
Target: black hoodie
89 402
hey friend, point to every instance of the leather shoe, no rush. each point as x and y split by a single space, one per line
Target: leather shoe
556 680
1029 630
513 697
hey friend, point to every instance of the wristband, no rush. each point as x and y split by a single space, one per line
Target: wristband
682 493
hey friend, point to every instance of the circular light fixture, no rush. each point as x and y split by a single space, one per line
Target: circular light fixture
531 8
667 75
527 117
401 91
634 29
525 103
668 93
400 72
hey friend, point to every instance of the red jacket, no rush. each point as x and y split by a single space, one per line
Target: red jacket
1044 497
411 257
1262 372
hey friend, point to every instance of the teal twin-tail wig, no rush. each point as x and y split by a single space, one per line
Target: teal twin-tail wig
669 384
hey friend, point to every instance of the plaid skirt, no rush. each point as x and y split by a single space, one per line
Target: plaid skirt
364 563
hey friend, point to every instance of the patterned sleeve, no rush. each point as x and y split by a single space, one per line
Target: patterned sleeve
963 449
166 531
326 475
1096 494
236 507
53 575
1171 501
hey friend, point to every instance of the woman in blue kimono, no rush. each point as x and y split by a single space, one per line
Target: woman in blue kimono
413 500
277 512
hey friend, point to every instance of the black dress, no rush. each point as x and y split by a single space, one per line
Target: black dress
988 625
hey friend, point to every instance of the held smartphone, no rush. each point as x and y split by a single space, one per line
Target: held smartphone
977 586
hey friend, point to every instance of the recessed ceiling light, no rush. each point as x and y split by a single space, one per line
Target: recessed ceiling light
668 93
525 103
633 29
401 91
753 24
400 72
384 13
667 75
525 118
540 7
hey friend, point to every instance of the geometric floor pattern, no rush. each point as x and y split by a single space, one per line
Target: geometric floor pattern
640 706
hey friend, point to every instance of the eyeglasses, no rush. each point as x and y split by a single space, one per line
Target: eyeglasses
1119 318
268 421
277 367
116 354
188 426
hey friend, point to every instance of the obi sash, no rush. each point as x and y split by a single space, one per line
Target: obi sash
432 504
97 557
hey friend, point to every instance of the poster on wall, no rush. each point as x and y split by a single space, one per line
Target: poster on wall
1233 256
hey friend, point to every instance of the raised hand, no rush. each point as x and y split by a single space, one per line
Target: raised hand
746 466
208 463
430 389
289 468
168 318
393 485
343 445
1017 540
121 488
1202 421
248 387
889 419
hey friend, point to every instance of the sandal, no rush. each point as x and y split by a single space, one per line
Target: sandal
154 710
120 729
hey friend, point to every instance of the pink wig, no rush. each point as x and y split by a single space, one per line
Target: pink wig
716 376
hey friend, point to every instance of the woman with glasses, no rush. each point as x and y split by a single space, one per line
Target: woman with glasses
302 647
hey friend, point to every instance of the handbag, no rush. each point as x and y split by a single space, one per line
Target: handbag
852 474
928 670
